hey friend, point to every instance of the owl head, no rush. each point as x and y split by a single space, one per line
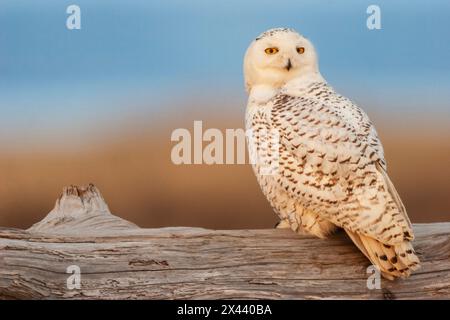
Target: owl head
278 56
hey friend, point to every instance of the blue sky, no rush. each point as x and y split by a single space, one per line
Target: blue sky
142 50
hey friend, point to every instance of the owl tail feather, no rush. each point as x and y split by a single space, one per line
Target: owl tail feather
393 261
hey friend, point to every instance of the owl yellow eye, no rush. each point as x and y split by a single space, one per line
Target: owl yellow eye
271 50
300 50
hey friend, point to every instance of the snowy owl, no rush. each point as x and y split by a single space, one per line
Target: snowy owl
331 168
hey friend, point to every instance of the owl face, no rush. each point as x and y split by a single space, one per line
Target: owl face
277 56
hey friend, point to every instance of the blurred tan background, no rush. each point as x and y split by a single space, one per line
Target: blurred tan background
131 165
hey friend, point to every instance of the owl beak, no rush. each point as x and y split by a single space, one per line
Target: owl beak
289 65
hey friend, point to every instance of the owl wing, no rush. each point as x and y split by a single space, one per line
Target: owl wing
331 160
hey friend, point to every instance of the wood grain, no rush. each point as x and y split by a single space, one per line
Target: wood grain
119 260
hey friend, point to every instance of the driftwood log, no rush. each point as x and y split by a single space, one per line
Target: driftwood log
118 260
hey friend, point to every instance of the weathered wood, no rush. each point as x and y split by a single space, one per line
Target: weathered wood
118 260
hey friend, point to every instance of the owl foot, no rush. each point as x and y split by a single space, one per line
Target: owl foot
283 224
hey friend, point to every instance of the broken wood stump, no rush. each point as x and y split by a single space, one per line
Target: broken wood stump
111 258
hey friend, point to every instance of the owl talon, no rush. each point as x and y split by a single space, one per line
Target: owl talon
283 224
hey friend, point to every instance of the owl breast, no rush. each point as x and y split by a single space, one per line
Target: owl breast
264 164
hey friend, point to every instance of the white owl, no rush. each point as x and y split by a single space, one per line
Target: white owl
331 169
